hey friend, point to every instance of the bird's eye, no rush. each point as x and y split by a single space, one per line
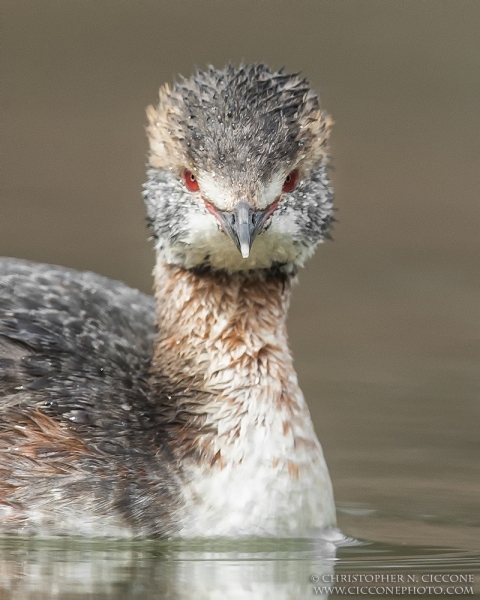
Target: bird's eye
190 181
290 182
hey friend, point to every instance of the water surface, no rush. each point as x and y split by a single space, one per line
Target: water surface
251 569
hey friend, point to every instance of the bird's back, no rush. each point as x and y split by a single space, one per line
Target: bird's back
76 415
64 333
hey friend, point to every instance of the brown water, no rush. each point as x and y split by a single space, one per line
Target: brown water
385 325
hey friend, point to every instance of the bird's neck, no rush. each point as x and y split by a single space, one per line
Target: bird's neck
236 420
209 322
222 343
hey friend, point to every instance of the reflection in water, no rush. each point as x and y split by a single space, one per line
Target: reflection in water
69 569
32 569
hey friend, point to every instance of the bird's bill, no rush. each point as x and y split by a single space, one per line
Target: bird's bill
243 224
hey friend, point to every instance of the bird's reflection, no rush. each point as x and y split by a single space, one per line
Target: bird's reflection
73 570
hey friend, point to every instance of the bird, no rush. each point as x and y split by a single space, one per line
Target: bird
179 415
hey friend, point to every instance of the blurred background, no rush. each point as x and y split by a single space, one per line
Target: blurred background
385 325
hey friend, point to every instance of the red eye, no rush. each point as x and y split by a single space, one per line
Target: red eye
290 181
190 181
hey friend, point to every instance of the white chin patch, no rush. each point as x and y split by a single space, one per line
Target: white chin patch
206 243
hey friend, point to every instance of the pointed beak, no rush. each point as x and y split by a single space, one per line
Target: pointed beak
243 224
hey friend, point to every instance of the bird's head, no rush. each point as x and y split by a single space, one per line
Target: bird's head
237 176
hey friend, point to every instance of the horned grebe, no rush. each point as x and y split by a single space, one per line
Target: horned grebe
119 419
